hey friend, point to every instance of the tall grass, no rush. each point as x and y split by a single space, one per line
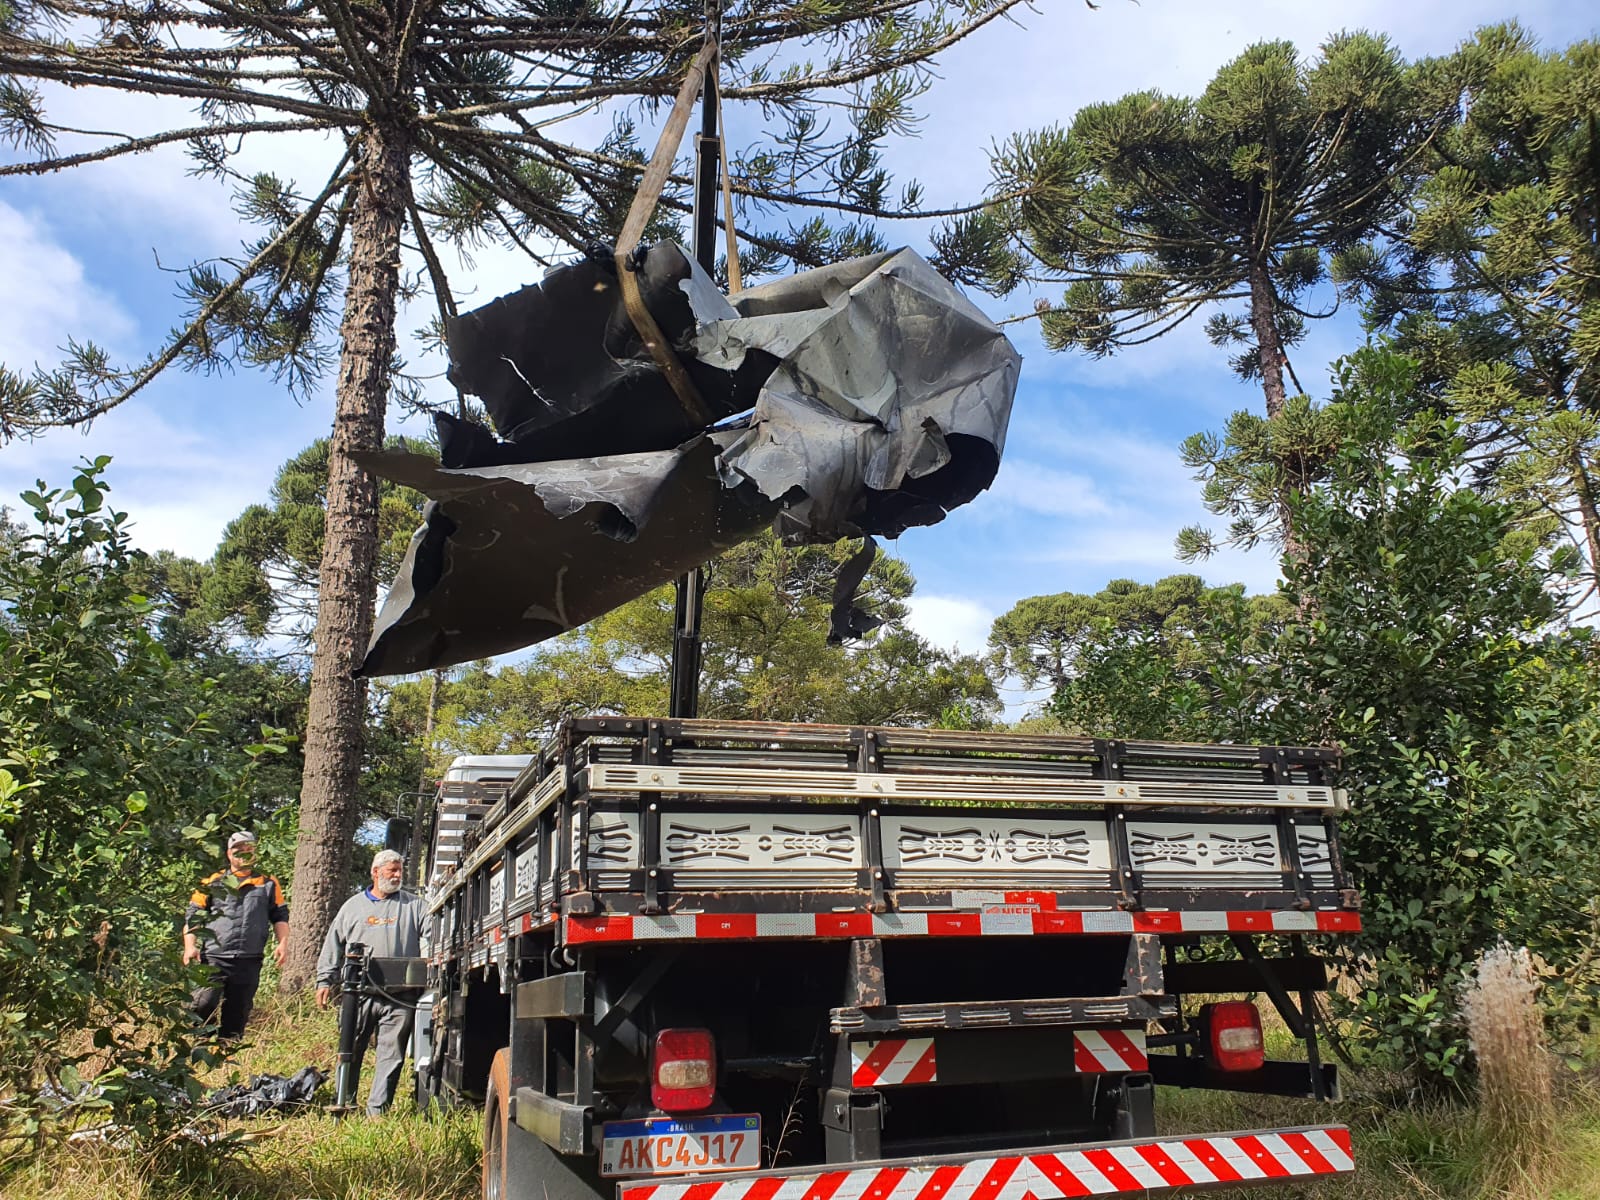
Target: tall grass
402 1156
1409 1149
306 1156
1506 1032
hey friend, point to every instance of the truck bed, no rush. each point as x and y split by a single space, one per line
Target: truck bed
631 829
935 958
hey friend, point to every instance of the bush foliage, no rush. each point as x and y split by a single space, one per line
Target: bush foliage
113 785
1426 644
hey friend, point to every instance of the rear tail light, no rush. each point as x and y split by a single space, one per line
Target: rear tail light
683 1075
1233 1036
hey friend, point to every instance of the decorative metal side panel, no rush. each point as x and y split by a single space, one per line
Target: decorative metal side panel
614 844
1316 857
717 848
930 850
1206 853
525 882
497 894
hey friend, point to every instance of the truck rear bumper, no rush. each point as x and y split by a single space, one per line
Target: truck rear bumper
1139 1167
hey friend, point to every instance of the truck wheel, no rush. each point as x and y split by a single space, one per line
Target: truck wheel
517 1165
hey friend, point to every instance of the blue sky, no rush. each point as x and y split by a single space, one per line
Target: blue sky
1091 487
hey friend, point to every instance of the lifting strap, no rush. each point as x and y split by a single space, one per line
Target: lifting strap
644 203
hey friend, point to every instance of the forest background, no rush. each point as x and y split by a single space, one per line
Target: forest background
1386 389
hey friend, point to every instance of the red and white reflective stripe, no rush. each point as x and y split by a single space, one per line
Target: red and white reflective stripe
1098 1051
748 926
1125 1168
892 1062
526 923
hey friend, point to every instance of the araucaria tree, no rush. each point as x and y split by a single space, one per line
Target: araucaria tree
1491 280
1155 209
449 124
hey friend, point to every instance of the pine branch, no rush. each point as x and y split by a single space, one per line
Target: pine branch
88 412
137 145
916 57
172 86
686 179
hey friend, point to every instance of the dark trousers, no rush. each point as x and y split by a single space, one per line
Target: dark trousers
233 986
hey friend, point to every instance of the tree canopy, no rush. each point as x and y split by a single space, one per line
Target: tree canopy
1157 209
1039 638
1491 277
1154 209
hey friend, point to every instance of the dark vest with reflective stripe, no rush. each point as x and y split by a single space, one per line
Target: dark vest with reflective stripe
240 918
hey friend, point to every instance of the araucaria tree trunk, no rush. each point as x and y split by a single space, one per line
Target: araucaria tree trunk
1588 513
1269 346
337 713
1270 358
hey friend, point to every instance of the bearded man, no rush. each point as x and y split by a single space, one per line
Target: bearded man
388 922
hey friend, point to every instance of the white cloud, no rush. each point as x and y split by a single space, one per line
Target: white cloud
1005 545
44 292
151 196
951 622
1047 490
180 485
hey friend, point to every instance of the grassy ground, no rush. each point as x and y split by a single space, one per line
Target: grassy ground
1408 1149
401 1156
1405 1150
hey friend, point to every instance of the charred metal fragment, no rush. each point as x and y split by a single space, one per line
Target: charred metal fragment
562 370
874 397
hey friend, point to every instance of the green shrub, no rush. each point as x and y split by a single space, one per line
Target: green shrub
112 787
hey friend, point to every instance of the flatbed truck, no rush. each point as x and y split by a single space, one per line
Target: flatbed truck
712 960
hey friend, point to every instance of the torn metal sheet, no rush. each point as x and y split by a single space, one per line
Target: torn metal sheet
874 397
563 373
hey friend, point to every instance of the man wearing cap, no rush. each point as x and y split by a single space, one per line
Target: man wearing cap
388 922
240 906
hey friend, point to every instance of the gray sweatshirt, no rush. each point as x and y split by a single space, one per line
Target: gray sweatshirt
389 927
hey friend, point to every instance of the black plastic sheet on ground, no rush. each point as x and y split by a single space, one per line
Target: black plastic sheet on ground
265 1094
859 399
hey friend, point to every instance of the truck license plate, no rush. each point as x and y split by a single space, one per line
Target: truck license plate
670 1146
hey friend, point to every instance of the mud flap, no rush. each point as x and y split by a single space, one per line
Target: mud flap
517 1165
536 1172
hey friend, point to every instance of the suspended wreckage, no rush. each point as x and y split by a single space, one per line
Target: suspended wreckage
858 399
647 423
